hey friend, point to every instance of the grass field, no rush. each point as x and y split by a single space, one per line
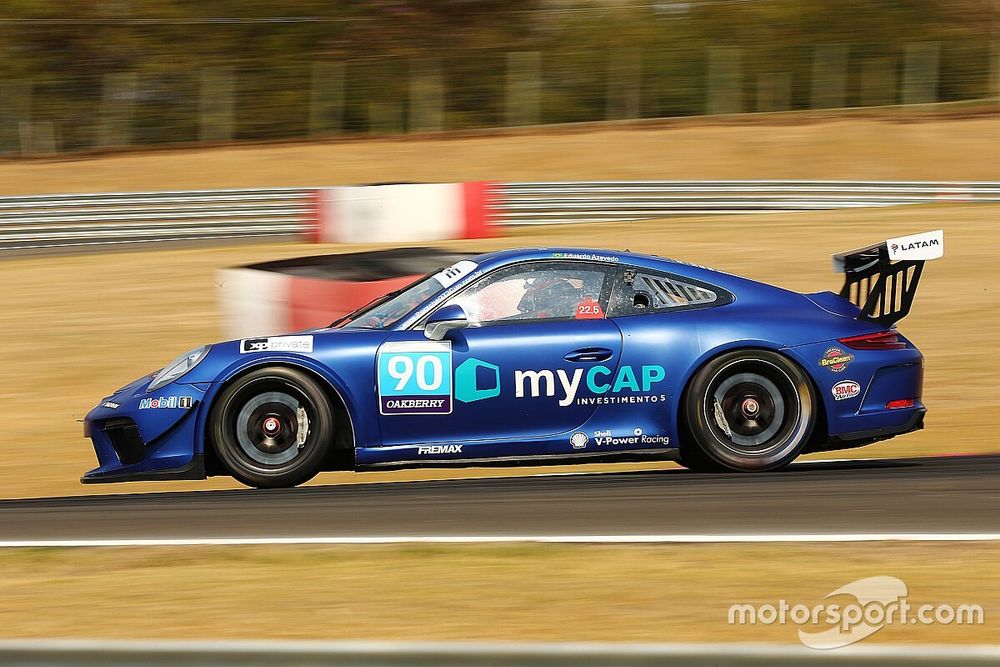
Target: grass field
514 592
824 146
74 328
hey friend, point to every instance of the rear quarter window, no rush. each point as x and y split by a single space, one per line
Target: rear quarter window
639 291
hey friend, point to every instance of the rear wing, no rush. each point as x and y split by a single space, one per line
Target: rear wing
882 279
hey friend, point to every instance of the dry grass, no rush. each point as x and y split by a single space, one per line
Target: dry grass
779 146
74 328
517 592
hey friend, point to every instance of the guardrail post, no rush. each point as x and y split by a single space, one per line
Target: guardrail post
725 80
829 76
878 82
774 91
326 100
426 97
524 70
117 101
15 110
218 88
624 84
920 79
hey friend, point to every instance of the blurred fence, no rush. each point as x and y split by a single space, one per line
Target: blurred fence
486 88
78 221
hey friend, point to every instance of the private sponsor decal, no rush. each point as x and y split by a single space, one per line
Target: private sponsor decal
836 359
845 390
302 344
579 440
166 402
929 245
432 450
110 405
414 378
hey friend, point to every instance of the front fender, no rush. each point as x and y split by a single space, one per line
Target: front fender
361 429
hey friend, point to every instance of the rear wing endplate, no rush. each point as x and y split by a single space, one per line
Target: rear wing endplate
882 279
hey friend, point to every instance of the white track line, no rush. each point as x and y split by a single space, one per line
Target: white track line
504 539
372 652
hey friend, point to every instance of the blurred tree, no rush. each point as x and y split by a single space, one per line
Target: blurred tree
62 53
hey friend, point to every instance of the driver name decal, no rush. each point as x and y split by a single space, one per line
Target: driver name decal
414 378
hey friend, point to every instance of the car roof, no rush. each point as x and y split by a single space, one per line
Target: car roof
501 257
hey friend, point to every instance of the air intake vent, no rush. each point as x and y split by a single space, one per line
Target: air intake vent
669 293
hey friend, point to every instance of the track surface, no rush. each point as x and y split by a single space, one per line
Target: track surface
960 494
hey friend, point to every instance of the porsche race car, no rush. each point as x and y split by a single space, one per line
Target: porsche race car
541 356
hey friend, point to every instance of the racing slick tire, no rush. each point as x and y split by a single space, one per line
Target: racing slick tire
272 427
746 411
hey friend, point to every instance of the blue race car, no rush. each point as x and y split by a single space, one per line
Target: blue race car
541 356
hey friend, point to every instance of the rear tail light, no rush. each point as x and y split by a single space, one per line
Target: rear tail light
899 404
883 340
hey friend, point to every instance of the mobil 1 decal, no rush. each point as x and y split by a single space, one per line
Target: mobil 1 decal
414 378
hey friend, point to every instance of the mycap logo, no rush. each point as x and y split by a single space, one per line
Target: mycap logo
476 380
598 380
467 376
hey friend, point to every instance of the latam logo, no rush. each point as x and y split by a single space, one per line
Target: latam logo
929 245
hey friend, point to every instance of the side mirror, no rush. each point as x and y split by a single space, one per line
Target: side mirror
444 320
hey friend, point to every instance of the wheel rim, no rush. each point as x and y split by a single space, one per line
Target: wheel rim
272 423
753 408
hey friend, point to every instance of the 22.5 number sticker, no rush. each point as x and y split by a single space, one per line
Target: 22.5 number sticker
414 378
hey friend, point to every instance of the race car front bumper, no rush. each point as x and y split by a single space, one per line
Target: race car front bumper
138 435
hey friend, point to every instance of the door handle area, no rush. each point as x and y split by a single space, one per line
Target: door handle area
589 354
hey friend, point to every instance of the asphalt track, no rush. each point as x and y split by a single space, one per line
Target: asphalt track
930 495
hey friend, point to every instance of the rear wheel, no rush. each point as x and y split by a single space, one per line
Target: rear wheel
272 427
748 410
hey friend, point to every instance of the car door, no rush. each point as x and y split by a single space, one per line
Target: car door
519 373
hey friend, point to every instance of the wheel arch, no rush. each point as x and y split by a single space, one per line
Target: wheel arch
342 452
820 424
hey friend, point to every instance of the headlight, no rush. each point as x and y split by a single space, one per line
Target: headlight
178 367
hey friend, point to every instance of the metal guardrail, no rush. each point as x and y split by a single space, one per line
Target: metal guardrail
53 222
65 653
546 203
77 221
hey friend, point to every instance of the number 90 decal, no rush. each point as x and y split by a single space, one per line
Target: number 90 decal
414 378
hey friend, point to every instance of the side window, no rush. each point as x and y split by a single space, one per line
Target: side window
638 292
537 291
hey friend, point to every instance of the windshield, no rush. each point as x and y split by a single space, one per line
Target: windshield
391 308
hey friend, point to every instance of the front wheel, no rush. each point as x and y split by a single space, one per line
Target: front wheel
272 428
749 410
